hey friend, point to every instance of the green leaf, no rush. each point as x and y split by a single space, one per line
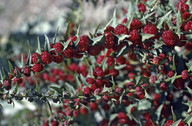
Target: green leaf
174 116
130 11
173 78
122 37
146 36
71 88
97 96
11 67
189 65
57 89
172 5
65 45
55 37
97 40
162 19
112 117
137 79
5 74
78 81
147 95
104 64
67 34
179 22
106 25
114 23
174 67
96 30
38 46
83 80
47 42
22 61
105 89
121 97
158 111
144 104
129 22
123 51
29 59
16 88
189 90
78 36
37 86
188 120
49 107
176 123
147 16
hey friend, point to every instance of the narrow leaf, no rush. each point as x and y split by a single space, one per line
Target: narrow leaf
55 37
38 46
11 67
176 123
146 36
47 42
162 19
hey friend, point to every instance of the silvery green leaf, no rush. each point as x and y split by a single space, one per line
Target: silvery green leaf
38 46
162 19
65 45
158 111
146 36
147 95
78 36
47 42
176 123
114 23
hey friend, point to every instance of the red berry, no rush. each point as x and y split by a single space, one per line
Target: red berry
186 15
73 39
109 41
184 7
135 38
76 113
150 29
69 52
170 122
184 74
100 59
46 57
94 106
122 118
95 50
121 60
171 73
188 26
114 72
156 60
110 61
58 59
83 111
121 29
141 7
54 123
139 91
109 29
99 72
58 47
35 57
7 83
136 24
17 80
164 86
83 43
27 71
38 67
